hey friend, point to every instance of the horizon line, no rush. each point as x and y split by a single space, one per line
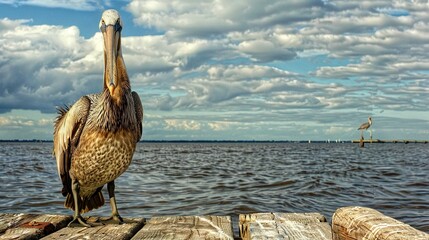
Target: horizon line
232 141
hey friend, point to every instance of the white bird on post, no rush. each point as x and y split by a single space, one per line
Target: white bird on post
365 126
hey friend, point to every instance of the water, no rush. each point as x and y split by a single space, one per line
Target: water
234 178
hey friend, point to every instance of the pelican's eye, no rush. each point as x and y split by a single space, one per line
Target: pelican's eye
103 26
118 26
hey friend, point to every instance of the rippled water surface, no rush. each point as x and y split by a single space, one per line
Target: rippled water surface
234 178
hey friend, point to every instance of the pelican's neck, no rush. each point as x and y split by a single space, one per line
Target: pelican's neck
369 121
122 80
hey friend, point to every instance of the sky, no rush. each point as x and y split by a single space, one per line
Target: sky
225 70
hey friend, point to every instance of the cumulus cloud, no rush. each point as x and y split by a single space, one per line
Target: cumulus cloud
85 5
15 122
21 124
265 51
244 87
246 72
219 126
43 66
182 124
208 18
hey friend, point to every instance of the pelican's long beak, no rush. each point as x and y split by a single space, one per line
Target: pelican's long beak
111 41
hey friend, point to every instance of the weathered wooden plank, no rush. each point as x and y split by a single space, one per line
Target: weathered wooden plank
352 223
10 220
106 230
299 226
187 227
30 226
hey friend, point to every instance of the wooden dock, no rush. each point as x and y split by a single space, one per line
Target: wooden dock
284 226
349 223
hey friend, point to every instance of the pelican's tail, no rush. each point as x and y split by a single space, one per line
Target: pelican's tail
86 204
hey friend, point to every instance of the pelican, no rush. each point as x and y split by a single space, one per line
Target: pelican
365 126
95 138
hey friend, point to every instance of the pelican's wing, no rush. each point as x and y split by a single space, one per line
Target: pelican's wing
139 113
68 127
363 126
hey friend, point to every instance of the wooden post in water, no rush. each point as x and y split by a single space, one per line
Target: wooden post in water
361 142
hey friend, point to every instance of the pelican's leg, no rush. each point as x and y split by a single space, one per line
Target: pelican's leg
77 218
370 134
115 214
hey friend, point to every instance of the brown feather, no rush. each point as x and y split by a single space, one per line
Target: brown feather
67 130
88 204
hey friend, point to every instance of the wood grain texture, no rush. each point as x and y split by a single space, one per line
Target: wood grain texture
187 227
352 223
299 226
30 226
107 231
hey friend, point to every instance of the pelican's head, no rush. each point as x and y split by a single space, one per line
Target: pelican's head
111 26
370 120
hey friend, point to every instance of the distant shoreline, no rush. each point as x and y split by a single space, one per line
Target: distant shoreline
204 141
237 141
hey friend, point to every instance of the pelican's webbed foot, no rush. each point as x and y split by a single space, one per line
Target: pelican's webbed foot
116 218
79 220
